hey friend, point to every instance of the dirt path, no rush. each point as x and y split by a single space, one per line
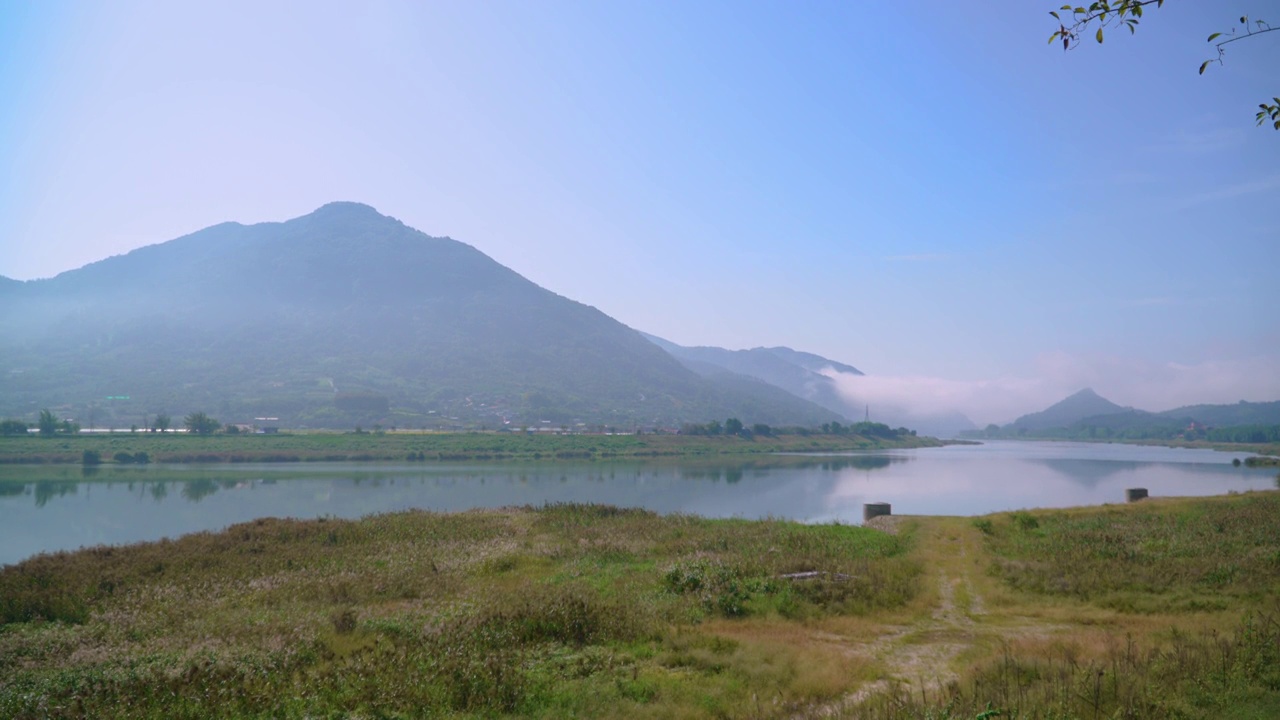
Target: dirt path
922 657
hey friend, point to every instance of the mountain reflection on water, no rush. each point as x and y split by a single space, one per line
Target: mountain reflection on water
52 508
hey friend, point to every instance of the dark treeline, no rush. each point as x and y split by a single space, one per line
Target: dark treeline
202 424
1244 434
733 426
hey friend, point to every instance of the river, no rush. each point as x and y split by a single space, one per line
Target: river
51 508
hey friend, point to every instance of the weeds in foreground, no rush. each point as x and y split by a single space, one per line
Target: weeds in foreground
591 611
564 610
1235 674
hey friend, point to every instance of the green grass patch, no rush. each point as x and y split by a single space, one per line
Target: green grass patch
1155 556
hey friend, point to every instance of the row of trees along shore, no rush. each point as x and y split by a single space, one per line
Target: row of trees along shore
734 426
50 425
199 423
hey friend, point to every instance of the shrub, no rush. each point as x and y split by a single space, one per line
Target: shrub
13 427
722 589
1025 521
344 622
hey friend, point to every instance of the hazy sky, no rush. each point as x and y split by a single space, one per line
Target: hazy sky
930 193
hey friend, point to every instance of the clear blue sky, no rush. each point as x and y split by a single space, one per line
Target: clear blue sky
930 193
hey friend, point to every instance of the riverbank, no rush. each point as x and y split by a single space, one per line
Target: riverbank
127 448
1269 453
1271 450
1149 610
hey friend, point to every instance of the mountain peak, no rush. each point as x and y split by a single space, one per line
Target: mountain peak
345 207
346 218
1083 404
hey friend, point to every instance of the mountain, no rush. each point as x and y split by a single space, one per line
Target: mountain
341 316
1086 416
798 373
806 376
1084 404
1184 421
1241 413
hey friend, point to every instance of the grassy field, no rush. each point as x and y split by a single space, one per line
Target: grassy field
417 446
1160 609
568 610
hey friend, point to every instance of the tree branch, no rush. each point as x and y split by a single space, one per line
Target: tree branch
1249 34
1105 13
1128 13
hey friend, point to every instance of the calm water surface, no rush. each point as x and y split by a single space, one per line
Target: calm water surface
46 509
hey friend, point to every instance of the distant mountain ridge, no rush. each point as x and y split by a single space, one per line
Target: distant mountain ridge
341 316
1086 415
798 373
1240 413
